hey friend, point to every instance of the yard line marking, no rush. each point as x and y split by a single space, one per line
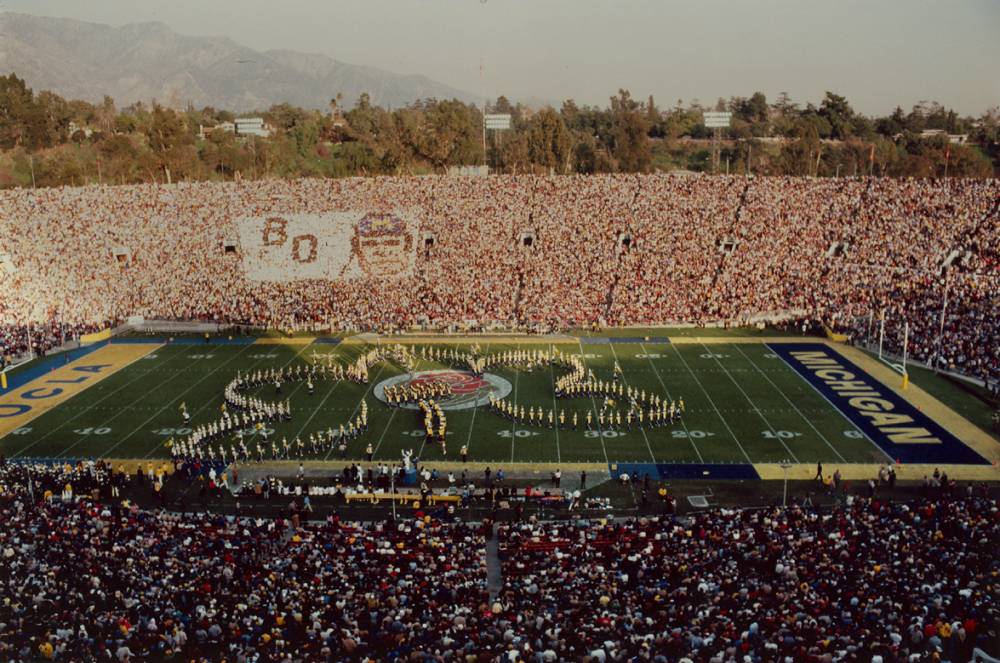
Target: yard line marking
513 423
423 442
299 385
752 404
714 407
106 453
420 449
641 429
656 372
472 424
384 430
594 403
87 409
354 413
555 408
202 407
319 407
789 401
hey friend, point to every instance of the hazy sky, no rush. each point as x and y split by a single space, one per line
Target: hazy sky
878 53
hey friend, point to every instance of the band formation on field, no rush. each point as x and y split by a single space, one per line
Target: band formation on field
499 400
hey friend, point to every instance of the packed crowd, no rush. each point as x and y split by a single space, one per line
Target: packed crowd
39 338
871 581
83 579
87 581
523 250
95 479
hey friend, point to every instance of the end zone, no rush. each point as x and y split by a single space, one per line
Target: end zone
900 428
22 404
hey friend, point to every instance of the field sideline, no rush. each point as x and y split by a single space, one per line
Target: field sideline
744 405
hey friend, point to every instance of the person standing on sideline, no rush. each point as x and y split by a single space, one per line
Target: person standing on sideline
819 472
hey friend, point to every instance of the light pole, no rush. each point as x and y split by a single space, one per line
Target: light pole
940 337
392 497
785 464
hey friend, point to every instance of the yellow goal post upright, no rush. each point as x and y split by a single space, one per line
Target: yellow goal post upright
898 367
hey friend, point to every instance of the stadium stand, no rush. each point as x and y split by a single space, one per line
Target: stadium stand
871 581
83 581
617 249
867 581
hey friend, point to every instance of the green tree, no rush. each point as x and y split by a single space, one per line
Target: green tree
549 141
839 114
452 134
22 121
798 157
106 115
784 105
630 134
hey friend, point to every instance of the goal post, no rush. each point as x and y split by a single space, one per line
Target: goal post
884 358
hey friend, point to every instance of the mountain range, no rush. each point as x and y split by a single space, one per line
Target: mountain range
149 61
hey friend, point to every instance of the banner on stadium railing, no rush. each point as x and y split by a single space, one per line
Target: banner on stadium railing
328 246
96 337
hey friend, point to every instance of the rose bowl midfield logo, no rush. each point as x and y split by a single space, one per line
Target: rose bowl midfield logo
467 390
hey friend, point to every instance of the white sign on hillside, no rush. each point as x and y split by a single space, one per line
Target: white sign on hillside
717 120
498 121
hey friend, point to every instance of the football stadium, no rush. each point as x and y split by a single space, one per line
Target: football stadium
339 383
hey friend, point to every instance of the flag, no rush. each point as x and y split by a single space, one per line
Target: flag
169 443
947 153
3 380
871 154
183 406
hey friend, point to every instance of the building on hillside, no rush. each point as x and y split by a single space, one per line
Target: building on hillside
252 126
954 139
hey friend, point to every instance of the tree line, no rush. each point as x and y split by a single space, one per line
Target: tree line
46 140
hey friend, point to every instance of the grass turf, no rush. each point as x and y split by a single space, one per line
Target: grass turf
743 404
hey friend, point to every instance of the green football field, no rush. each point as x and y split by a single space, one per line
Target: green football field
743 404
